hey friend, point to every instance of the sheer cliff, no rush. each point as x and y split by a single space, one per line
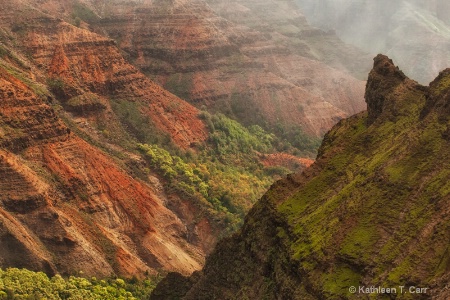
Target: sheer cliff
372 211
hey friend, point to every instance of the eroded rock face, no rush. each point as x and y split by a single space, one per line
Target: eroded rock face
340 223
257 61
65 206
22 114
80 62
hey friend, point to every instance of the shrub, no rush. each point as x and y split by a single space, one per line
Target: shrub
24 284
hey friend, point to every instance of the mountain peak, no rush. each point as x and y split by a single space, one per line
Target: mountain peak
384 66
383 79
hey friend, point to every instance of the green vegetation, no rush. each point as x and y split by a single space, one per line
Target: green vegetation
55 84
28 285
229 190
3 51
58 87
230 137
295 140
77 21
338 281
286 138
442 85
225 174
87 101
382 176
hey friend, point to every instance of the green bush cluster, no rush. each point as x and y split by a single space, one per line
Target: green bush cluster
174 169
56 86
3 51
296 140
137 123
228 189
85 103
230 137
190 180
21 284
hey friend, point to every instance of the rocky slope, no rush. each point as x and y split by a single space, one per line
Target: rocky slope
67 206
82 62
373 210
256 61
416 34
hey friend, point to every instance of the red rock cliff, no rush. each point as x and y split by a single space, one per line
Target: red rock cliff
65 206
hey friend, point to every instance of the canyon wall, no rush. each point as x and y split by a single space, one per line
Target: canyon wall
257 62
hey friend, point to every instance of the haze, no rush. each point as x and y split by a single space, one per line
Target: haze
414 33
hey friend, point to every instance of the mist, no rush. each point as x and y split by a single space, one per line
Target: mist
414 33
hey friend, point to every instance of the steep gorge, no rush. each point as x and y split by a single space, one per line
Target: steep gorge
372 211
73 110
77 195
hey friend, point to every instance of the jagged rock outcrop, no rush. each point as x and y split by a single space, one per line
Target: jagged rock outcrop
372 211
384 78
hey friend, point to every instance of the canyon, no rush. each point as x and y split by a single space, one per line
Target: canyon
68 206
136 138
373 210
86 87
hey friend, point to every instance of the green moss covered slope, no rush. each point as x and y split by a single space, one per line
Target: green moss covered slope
373 211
